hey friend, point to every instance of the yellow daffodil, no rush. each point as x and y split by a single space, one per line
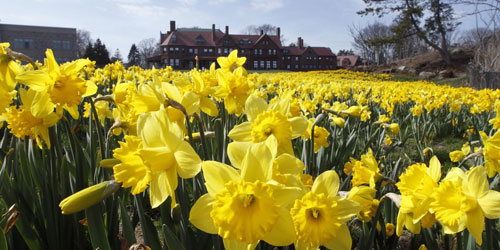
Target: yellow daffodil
320 215
491 153
234 89
464 200
245 206
365 196
265 120
231 62
365 171
22 122
417 185
57 86
320 135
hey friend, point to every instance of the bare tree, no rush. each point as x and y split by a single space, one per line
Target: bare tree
82 40
370 42
268 29
148 48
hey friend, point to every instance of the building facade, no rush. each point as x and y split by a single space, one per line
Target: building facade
33 41
180 47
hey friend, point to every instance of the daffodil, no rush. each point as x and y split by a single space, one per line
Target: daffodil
234 89
320 135
464 200
22 122
265 120
491 152
365 196
417 185
365 171
57 86
155 157
320 215
231 62
245 206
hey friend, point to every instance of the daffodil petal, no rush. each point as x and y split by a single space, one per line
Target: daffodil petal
327 183
200 214
217 175
435 169
299 125
236 152
188 161
163 185
238 245
490 204
257 164
476 182
208 106
475 224
241 132
283 233
254 105
342 241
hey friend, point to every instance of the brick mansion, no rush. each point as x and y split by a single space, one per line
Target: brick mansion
180 46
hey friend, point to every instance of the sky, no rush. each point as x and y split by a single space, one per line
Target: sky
120 23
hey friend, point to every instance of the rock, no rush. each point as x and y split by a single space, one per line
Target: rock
446 73
412 71
426 75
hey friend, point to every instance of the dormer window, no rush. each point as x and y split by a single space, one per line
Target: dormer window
174 38
200 40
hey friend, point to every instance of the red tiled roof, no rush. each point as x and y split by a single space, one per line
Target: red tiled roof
323 51
188 37
294 51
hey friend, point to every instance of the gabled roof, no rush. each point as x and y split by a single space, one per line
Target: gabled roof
248 41
323 51
294 51
188 37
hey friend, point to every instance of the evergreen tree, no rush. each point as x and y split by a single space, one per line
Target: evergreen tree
134 57
89 51
101 54
117 56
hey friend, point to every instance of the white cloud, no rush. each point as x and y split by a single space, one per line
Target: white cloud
220 1
144 10
267 5
187 2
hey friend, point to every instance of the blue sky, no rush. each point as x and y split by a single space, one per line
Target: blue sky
119 23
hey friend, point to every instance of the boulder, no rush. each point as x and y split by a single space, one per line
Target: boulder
426 75
446 73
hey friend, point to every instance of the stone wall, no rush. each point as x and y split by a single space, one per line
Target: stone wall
481 80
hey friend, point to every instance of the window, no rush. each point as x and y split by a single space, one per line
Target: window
172 62
288 66
190 50
260 51
255 51
270 52
268 65
275 64
296 58
242 51
205 50
174 38
262 64
218 51
288 57
319 58
225 50
165 61
255 64
274 52
171 49
210 50
196 51
164 49
176 48
297 66
23 44
314 58
176 62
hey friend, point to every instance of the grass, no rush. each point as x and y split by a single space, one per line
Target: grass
455 81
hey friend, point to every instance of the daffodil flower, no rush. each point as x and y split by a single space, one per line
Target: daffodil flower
245 206
319 216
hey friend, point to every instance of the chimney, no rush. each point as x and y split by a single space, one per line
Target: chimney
261 32
300 43
213 32
227 30
278 32
172 26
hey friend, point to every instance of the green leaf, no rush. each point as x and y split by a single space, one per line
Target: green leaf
170 239
128 230
151 238
3 242
97 231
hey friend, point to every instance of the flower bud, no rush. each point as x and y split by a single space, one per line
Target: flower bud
88 197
